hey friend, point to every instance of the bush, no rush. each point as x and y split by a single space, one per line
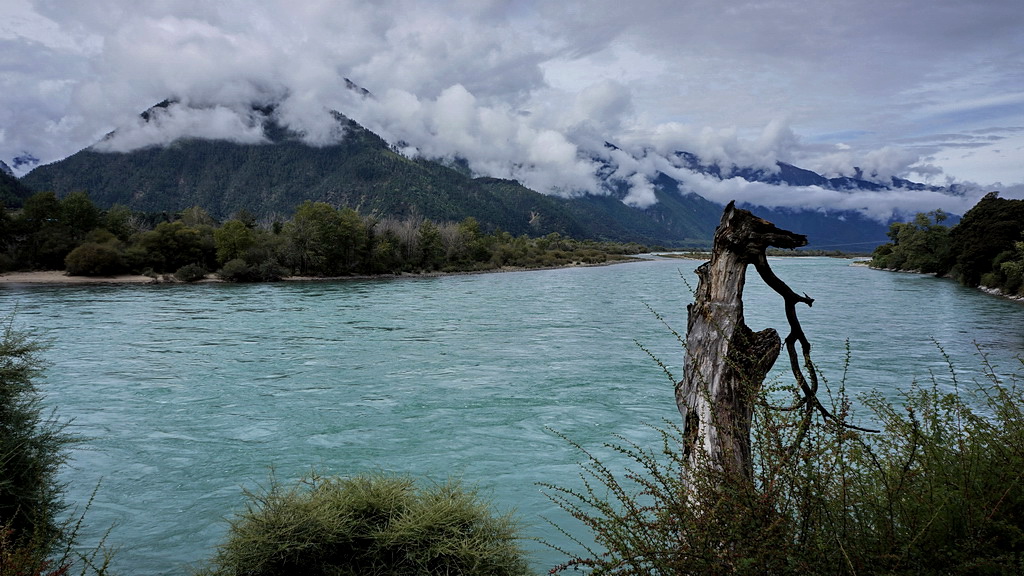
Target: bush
94 259
33 540
190 273
380 525
32 446
939 491
235 270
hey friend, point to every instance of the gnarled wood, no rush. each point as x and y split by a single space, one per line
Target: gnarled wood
726 362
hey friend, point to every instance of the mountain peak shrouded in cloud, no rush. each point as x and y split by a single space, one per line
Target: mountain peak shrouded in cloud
530 90
456 128
25 161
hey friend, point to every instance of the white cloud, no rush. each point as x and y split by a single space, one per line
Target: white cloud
177 121
530 90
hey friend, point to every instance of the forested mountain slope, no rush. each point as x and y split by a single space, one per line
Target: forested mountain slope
364 172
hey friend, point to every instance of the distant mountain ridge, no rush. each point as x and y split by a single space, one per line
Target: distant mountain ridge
790 175
362 171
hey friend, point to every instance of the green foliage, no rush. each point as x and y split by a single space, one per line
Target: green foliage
34 541
233 240
988 229
172 245
12 191
316 240
921 245
368 525
45 240
92 259
938 491
119 222
1012 270
102 254
190 273
980 249
78 213
32 446
319 240
431 246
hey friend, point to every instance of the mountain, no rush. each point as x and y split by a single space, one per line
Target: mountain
789 175
272 177
361 171
12 191
846 230
25 161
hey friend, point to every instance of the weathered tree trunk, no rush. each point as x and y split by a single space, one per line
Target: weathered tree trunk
726 362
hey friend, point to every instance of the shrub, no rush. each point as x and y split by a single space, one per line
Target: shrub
939 491
378 524
190 273
33 539
32 446
235 270
94 259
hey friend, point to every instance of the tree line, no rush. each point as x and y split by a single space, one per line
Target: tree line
986 248
319 240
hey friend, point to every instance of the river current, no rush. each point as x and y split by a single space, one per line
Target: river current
187 394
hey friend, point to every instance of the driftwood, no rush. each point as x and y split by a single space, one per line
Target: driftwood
726 362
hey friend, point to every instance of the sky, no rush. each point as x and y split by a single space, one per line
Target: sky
929 90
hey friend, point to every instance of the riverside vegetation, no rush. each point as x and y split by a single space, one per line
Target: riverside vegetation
938 491
71 233
986 248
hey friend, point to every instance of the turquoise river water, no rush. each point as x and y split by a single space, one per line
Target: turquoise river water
186 394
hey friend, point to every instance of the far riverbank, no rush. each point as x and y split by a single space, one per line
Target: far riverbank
50 277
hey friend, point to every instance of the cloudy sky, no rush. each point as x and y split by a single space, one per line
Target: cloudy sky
931 90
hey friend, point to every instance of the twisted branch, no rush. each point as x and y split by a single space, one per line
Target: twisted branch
809 402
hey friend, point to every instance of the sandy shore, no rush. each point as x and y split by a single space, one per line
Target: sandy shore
59 277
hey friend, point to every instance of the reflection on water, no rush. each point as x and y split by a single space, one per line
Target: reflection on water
186 394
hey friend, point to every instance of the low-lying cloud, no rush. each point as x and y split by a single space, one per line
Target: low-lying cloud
176 121
532 90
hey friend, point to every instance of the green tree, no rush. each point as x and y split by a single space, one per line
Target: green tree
431 246
45 239
233 240
79 214
40 209
921 245
987 230
101 254
8 240
172 245
353 241
315 242
386 255
197 217
120 221
1012 270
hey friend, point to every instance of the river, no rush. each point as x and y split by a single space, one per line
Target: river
186 394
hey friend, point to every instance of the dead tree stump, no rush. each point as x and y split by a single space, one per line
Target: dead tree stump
726 362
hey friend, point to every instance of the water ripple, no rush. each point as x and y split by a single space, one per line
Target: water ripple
187 393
